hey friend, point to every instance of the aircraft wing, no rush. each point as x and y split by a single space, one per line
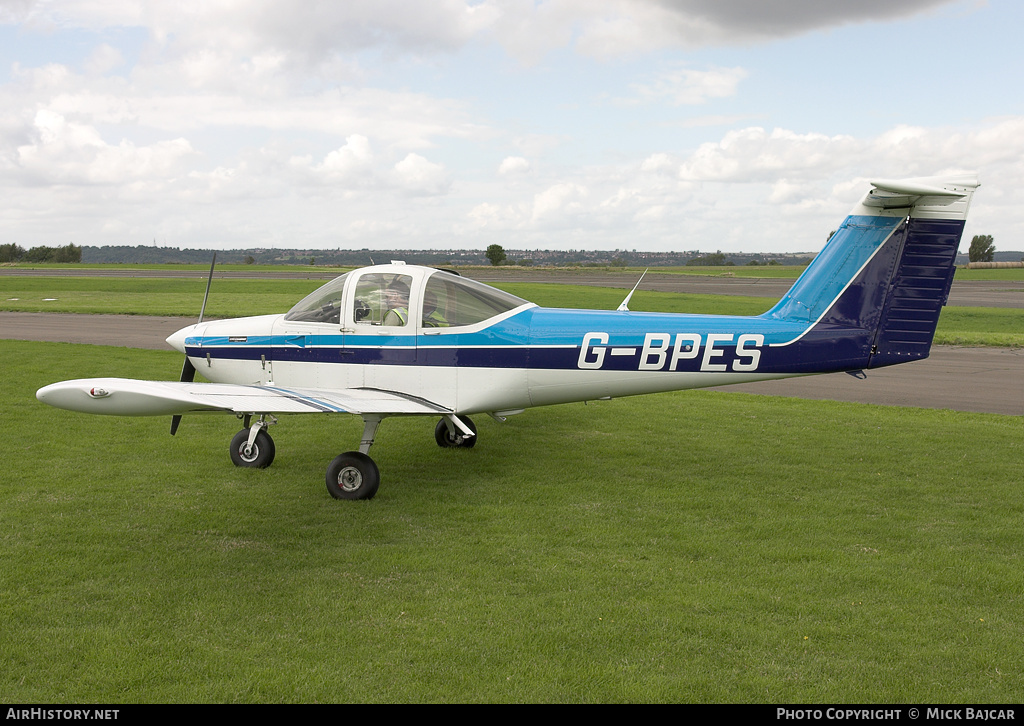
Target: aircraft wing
130 397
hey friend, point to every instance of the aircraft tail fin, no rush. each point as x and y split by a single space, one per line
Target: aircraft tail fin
872 296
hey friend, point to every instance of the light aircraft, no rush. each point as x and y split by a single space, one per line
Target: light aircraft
397 339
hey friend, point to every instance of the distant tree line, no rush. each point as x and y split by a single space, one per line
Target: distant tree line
495 254
17 253
710 259
150 254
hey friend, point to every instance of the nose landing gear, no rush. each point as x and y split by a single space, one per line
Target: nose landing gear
252 447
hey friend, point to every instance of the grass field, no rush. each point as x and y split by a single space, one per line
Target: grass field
691 547
235 298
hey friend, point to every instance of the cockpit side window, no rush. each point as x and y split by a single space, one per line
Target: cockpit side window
323 305
382 299
450 301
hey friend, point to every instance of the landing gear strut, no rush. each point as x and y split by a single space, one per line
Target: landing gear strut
455 432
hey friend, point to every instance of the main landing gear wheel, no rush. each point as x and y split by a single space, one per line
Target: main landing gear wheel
448 439
353 475
259 456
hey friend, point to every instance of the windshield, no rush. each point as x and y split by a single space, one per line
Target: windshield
322 305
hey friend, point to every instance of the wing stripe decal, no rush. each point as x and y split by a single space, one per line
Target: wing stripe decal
318 404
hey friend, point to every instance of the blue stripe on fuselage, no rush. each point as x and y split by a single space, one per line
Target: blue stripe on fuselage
544 338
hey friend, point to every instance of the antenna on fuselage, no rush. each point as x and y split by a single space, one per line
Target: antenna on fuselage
624 305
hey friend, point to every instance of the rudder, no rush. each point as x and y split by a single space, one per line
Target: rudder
917 293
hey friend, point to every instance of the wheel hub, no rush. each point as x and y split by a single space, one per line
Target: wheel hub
350 479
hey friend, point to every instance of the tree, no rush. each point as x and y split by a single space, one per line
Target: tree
11 253
39 254
70 253
982 249
496 254
709 259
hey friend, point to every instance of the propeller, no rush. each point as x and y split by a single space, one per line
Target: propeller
188 371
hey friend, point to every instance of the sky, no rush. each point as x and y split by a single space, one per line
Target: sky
649 125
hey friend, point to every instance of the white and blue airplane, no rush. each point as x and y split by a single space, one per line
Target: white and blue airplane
397 339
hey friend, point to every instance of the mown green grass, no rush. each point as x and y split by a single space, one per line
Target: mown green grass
151 296
233 298
1007 273
691 547
1002 327
236 298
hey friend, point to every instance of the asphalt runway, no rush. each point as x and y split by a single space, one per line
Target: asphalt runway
986 380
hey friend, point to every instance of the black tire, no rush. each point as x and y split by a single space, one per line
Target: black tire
259 457
352 475
446 439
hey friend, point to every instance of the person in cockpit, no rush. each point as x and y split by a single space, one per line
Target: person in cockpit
397 299
432 317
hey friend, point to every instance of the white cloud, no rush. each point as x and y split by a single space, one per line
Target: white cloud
350 166
786 192
352 158
103 59
494 217
513 165
659 163
753 154
559 200
14 11
688 87
418 176
63 152
151 100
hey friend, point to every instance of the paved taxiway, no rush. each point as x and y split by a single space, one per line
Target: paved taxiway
966 379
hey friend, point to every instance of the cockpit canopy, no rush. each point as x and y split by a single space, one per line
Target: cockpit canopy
388 298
